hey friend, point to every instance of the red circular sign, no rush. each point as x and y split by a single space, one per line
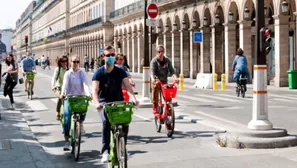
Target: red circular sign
152 10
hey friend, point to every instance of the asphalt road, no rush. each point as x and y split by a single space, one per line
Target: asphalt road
192 146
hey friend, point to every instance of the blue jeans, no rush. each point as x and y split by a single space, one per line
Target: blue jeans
106 131
67 118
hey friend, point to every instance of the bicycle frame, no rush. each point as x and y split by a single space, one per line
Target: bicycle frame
166 101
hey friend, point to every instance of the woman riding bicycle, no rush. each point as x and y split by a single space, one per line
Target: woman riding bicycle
57 80
120 63
240 66
74 83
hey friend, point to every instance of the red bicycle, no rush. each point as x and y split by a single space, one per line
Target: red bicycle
126 94
165 108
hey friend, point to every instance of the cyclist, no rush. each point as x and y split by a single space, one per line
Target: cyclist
240 66
74 83
28 65
161 67
57 80
120 63
107 87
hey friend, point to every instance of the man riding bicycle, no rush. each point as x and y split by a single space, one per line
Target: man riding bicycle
161 67
240 66
28 65
107 87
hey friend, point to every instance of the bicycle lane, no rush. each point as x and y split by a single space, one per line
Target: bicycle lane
40 113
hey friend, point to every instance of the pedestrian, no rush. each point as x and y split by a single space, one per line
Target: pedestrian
92 64
86 64
11 78
48 63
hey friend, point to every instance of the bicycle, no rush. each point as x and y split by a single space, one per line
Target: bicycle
119 114
30 77
166 109
78 105
241 86
126 94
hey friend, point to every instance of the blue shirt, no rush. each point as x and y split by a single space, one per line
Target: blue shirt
28 64
110 84
240 63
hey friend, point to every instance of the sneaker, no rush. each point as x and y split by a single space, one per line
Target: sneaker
13 106
67 146
105 157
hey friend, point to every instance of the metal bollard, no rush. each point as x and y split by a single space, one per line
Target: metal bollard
215 79
181 81
223 84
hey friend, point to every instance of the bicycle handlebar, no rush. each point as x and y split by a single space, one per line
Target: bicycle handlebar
115 103
77 96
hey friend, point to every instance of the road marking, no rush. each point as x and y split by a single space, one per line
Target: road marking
283 100
36 105
219 119
233 97
222 98
197 99
284 97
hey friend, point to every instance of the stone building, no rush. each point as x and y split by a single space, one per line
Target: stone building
83 26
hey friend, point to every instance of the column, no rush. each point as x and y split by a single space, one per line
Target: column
182 51
128 49
172 50
191 55
230 49
281 29
133 52
205 50
245 40
138 51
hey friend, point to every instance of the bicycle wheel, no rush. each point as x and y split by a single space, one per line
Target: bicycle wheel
238 91
121 152
169 120
77 139
29 89
243 91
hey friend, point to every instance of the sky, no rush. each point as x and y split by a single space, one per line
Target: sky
11 11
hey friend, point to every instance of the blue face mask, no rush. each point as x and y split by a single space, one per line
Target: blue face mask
110 60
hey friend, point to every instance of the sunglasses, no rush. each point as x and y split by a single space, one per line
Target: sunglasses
75 62
160 51
64 61
120 59
110 55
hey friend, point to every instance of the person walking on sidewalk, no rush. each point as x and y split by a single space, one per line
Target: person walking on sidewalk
161 67
11 78
86 63
57 80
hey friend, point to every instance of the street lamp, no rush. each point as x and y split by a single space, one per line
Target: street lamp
285 6
246 13
175 26
159 29
205 21
194 23
230 17
265 11
184 24
217 19
166 28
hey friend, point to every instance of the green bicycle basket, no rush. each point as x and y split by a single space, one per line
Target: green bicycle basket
119 113
30 75
78 104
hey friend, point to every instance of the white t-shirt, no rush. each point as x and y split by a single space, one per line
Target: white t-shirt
42 59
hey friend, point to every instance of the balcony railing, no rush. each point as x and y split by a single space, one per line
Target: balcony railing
136 6
53 36
84 25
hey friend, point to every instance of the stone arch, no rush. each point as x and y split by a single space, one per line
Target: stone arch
196 17
220 12
207 14
168 23
234 9
177 21
250 4
186 20
291 7
161 26
134 48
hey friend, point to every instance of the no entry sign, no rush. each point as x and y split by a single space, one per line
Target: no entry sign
152 10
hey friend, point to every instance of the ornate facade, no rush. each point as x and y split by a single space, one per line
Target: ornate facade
83 26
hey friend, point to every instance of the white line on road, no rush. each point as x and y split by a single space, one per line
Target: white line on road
197 99
283 100
36 105
284 97
234 97
222 98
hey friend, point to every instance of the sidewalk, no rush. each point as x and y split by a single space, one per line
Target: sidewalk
19 147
